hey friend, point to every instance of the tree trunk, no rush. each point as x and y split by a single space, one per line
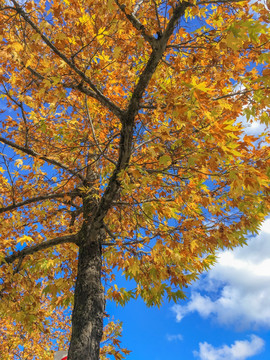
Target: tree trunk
89 303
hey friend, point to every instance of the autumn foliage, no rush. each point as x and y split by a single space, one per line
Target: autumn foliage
121 136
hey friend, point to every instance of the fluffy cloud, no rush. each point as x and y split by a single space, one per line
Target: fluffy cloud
251 128
240 350
237 290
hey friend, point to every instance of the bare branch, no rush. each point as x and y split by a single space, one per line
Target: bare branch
73 238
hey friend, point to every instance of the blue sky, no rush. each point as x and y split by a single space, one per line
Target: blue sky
225 317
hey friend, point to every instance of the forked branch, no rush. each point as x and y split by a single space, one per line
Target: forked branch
128 118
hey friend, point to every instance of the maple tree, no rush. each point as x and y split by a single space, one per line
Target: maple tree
121 150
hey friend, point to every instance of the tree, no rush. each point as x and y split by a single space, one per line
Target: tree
122 149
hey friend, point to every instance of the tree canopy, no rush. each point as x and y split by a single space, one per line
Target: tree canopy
122 148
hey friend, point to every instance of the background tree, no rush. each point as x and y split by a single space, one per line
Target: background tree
121 150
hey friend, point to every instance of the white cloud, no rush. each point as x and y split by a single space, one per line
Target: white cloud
264 2
266 226
175 337
236 291
240 350
253 127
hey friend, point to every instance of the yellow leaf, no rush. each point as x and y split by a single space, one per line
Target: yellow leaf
17 46
18 163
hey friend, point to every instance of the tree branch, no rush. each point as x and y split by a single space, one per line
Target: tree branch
109 104
128 119
97 94
136 23
241 92
10 179
217 2
157 16
155 57
73 238
94 134
115 110
42 157
33 200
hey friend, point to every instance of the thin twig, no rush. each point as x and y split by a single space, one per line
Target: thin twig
94 134
11 180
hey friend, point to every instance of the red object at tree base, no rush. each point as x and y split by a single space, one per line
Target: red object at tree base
60 355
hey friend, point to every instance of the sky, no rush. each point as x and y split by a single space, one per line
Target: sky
226 315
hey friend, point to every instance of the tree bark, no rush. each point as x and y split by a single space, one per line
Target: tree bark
89 303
